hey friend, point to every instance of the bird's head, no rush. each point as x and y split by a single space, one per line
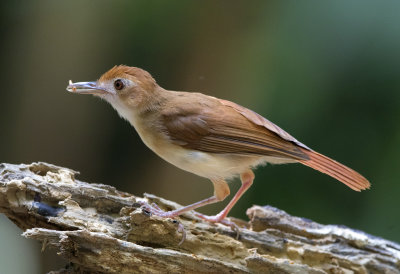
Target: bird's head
125 88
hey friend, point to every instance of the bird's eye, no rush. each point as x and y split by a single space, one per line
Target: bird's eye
118 84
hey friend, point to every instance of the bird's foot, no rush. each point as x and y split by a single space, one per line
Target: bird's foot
154 209
219 218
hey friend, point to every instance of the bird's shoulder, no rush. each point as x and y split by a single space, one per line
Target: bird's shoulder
188 111
190 103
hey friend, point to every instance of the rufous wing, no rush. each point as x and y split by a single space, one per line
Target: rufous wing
208 124
261 121
315 160
202 123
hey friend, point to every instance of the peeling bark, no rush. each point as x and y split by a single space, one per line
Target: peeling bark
100 229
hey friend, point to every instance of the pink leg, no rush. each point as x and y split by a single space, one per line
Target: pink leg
221 190
174 213
247 180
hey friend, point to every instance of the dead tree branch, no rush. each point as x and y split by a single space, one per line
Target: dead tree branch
100 229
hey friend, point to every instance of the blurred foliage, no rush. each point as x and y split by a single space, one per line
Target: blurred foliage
327 72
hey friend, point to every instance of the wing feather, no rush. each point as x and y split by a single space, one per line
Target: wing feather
261 121
216 127
220 126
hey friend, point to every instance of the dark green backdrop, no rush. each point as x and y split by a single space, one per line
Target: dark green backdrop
327 72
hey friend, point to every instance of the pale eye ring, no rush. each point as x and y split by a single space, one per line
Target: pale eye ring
118 84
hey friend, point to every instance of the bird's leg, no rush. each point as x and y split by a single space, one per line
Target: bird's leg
247 180
221 190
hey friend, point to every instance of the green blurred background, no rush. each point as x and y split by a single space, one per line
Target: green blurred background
327 72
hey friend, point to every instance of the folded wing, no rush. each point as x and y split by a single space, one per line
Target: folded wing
216 128
220 126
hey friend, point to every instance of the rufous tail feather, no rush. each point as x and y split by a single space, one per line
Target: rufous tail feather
340 172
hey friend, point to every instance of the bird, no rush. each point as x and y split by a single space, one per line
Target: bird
210 137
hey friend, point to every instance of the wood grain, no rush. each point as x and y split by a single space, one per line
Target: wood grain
102 230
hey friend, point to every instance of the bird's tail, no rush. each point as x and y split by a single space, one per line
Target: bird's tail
340 172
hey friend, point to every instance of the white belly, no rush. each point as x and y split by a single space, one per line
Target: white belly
212 166
215 166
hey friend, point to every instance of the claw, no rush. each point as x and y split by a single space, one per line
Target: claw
182 230
155 206
217 219
156 210
146 211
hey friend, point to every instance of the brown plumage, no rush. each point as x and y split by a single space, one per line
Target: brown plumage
207 136
220 126
213 127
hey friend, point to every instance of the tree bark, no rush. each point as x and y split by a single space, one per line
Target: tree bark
100 229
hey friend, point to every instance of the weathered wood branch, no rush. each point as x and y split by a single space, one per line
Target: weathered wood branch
100 229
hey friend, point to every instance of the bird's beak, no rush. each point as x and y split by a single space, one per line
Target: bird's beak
85 88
